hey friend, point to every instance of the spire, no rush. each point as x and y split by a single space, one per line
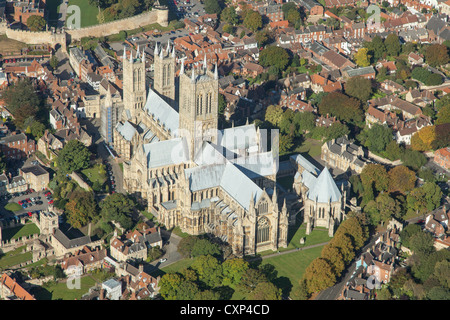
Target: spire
173 52
204 62
131 56
216 73
143 55
182 67
168 46
156 49
161 53
138 53
124 54
193 75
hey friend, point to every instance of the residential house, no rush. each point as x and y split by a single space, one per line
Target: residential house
36 177
17 146
83 261
11 290
343 154
442 157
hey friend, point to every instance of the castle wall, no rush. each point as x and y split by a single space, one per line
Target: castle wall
159 16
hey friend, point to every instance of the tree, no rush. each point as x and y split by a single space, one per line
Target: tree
73 157
376 47
203 247
360 88
443 115
319 275
337 130
54 62
333 255
233 269
81 208
408 232
392 44
424 139
413 159
185 246
293 16
362 57
229 15
22 101
36 23
37 130
285 144
378 137
343 107
274 56
393 150
425 198
265 291
437 55
273 115
345 245
374 178
422 243
169 285
250 279
401 179
253 20
209 270
442 273
212 6
263 37
118 207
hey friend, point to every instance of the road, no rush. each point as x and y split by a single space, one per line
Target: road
334 292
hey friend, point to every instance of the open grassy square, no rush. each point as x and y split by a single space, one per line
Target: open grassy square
61 291
88 12
21 231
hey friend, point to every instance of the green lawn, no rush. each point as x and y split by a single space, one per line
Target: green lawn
290 267
88 12
13 206
310 146
96 174
21 231
61 291
15 257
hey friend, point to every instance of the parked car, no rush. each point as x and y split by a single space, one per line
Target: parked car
163 260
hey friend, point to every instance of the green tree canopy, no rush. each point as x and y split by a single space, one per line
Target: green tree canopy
118 207
36 23
274 56
253 20
345 108
73 157
360 88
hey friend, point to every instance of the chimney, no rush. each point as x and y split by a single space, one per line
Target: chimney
141 267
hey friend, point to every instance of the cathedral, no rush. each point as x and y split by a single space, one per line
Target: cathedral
186 171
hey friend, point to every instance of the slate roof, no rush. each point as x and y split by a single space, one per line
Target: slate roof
167 152
324 190
126 130
162 111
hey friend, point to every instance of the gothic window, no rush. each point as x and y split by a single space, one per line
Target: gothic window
263 230
263 208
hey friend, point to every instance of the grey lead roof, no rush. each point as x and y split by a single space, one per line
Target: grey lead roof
126 130
325 189
162 112
167 152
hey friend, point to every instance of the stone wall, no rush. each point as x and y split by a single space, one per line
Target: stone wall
157 15
160 16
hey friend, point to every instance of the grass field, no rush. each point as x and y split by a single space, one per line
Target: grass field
88 12
96 173
13 206
15 257
60 290
18 232
291 267
9 46
311 147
